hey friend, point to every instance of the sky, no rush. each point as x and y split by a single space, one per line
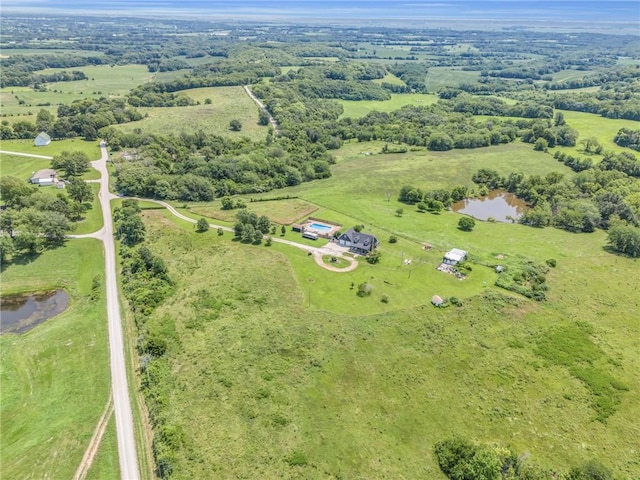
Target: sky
603 11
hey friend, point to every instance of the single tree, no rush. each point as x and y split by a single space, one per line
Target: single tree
79 190
235 125
283 230
6 248
202 225
73 163
466 224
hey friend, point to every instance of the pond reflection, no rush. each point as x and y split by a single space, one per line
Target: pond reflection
21 313
497 204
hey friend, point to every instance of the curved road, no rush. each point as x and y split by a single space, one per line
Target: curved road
124 419
316 251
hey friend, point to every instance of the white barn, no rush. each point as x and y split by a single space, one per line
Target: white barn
42 140
454 256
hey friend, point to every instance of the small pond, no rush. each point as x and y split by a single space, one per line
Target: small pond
497 204
21 313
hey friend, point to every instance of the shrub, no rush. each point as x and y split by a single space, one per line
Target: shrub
296 458
385 299
364 289
374 257
551 262
220 231
202 225
466 224
393 239
455 301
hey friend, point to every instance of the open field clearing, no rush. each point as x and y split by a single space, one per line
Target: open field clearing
592 125
21 103
55 378
21 167
92 149
282 212
357 109
228 103
389 78
442 77
307 380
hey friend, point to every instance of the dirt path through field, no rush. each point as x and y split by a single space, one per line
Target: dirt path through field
94 444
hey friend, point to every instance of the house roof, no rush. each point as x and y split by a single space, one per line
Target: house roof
359 239
44 136
44 173
455 254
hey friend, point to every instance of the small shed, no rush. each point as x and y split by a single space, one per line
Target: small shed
454 256
437 301
42 140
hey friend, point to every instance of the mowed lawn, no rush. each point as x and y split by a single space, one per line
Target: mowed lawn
285 370
228 103
55 378
56 147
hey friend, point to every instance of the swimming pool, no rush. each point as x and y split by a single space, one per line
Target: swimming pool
320 226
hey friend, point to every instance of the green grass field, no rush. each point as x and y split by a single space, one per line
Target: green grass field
92 149
307 380
443 77
359 108
21 167
55 378
228 103
282 212
592 125
105 464
390 78
103 80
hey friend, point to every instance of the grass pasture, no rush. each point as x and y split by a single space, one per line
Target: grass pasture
55 378
443 77
21 167
228 103
592 125
103 80
359 108
282 212
56 147
307 380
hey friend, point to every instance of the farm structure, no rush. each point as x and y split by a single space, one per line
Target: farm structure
42 140
454 256
361 243
44 177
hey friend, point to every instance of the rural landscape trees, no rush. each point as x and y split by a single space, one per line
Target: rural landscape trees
384 128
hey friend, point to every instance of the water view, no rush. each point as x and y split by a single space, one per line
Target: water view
500 205
21 313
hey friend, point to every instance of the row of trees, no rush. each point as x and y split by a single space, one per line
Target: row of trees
80 118
460 459
146 283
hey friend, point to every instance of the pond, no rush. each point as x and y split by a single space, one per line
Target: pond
497 204
21 313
